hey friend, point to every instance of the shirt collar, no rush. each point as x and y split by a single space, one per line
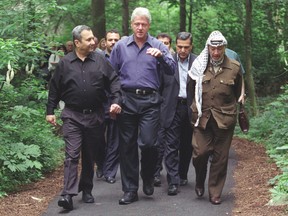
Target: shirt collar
72 56
131 39
186 60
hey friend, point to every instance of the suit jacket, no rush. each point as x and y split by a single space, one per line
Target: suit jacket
170 90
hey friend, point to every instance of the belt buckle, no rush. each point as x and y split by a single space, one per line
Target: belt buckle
139 91
86 111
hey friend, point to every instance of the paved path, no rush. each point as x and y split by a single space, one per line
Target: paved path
160 204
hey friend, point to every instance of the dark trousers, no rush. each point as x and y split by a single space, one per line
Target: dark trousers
138 126
82 134
215 142
160 151
111 161
178 146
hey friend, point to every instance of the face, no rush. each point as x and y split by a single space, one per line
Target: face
140 26
69 46
165 41
95 43
183 48
216 53
111 39
87 43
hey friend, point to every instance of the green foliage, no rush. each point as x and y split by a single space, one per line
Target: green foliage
29 146
270 128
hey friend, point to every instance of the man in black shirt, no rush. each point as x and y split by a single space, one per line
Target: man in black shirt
80 80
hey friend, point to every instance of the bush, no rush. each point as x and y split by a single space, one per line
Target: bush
29 146
270 128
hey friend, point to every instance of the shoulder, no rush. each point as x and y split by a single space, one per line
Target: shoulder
234 62
193 56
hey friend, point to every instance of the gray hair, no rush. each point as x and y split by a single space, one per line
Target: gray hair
141 11
76 32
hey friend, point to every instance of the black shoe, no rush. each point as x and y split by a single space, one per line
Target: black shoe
157 181
128 198
183 182
172 190
99 172
87 197
148 187
199 191
110 180
215 200
66 202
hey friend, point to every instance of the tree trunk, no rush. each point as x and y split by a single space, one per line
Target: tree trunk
125 17
98 18
182 15
248 51
190 16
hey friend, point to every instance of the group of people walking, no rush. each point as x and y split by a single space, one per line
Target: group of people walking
173 106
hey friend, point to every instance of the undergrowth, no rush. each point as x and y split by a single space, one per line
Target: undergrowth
29 147
270 128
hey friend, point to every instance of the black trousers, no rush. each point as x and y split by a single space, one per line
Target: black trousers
111 161
138 126
178 146
82 134
160 151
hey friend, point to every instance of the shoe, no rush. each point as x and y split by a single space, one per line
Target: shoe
87 197
199 191
128 197
215 200
157 181
99 172
148 187
110 180
183 182
172 190
66 202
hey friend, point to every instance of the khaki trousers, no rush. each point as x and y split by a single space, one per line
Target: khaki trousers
214 142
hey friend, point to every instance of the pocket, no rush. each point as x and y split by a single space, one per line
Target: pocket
206 84
227 82
229 110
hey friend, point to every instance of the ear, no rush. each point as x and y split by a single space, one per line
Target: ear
76 42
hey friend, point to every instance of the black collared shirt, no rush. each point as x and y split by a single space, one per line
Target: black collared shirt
82 84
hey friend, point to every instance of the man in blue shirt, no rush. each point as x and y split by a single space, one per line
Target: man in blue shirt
139 60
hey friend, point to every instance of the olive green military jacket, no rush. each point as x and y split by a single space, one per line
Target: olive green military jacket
220 92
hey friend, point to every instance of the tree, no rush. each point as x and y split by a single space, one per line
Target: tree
248 49
182 15
125 17
98 18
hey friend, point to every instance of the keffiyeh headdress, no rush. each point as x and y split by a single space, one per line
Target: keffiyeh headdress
199 65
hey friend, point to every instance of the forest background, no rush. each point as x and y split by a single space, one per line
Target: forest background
257 30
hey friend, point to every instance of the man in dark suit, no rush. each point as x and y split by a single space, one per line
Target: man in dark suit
174 117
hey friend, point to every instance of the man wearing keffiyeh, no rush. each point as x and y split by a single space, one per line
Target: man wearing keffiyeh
217 82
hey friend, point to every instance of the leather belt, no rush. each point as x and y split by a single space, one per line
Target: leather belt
182 101
146 91
81 110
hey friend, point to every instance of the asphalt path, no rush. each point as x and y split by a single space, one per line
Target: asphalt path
185 203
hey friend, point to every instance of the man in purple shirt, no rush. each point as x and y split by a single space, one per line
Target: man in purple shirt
139 60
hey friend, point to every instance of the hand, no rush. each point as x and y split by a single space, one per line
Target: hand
242 99
154 52
114 110
51 119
